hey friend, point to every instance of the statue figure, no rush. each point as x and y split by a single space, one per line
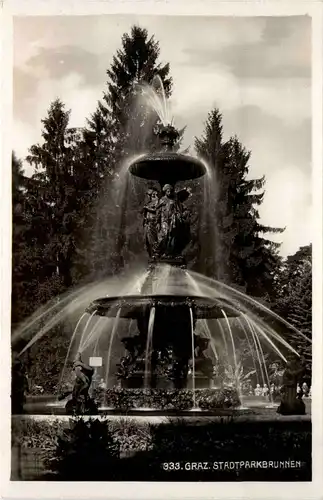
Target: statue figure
290 404
150 222
19 386
173 222
202 362
168 136
134 360
135 346
81 403
84 374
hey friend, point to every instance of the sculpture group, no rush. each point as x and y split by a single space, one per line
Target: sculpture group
166 222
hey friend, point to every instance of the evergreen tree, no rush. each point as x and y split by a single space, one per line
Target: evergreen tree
18 183
30 276
59 187
294 301
98 147
292 268
134 64
214 239
244 257
18 238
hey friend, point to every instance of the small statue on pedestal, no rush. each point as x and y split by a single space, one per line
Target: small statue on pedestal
290 403
81 403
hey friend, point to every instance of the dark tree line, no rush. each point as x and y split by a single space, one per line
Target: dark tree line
65 228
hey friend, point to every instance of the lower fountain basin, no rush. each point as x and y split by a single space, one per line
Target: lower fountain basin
132 306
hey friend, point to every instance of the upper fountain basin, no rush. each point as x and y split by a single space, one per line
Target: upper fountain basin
167 167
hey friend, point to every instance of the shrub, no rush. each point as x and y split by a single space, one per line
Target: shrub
210 399
167 400
85 451
30 433
131 436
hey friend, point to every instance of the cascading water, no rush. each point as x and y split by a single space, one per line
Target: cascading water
262 357
236 367
256 344
113 333
193 358
225 342
68 352
154 97
81 345
149 345
93 336
250 348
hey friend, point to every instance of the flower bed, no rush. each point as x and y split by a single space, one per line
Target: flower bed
43 435
211 399
40 434
167 400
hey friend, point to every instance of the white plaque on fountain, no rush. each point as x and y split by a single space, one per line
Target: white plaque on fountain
95 361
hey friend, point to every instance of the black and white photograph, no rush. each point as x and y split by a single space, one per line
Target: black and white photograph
162 238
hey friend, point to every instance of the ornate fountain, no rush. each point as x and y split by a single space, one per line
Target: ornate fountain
165 323
170 328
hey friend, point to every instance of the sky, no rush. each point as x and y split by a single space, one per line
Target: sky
255 70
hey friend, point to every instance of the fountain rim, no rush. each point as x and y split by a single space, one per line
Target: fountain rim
131 306
172 167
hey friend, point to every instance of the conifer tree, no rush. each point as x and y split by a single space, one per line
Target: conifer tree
294 301
18 239
30 260
134 64
57 185
244 257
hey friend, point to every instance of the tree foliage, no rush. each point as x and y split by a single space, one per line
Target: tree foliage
134 64
244 255
294 301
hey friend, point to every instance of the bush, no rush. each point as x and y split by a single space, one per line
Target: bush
131 436
210 399
44 434
29 433
85 451
167 400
